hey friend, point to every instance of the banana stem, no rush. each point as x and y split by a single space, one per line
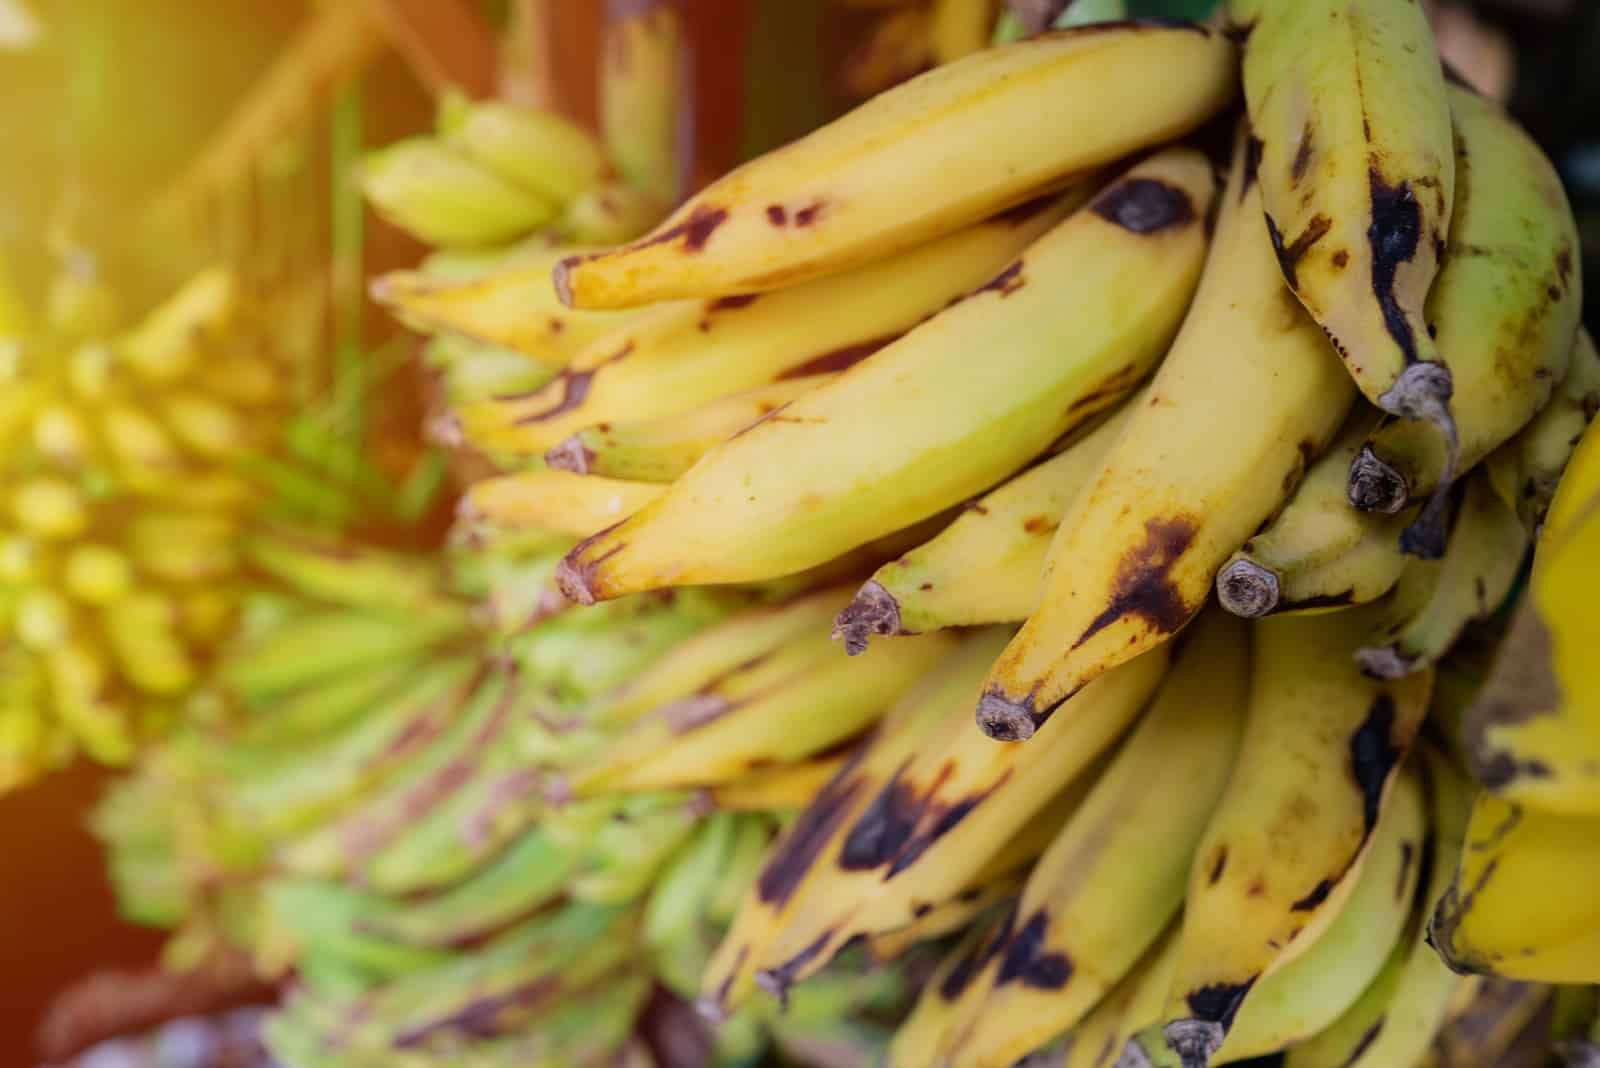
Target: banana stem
1247 589
1375 486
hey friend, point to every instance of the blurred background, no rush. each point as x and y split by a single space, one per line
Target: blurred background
116 110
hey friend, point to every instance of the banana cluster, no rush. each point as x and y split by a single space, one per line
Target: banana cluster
388 808
125 454
504 189
1031 344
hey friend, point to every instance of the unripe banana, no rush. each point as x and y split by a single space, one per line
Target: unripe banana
443 197
540 151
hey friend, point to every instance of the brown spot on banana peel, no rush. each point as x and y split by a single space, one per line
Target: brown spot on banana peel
1248 590
571 455
1373 757
874 610
1006 282
574 389
777 215
1446 920
695 231
1144 205
884 826
810 213
1303 155
1317 895
1289 256
961 976
1143 583
839 359
733 303
1026 961
938 821
1252 164
794 855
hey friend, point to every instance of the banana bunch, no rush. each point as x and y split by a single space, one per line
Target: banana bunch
503 191
127 464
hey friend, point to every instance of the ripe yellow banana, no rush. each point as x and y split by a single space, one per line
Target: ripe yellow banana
1357 169
985 567
1108 885
1526 470
678 357
1317 526
1187 483
558 501
1503 313
788 788
926 812
1312 991
896 48
918 1039
1436 599
1521 904
662 449
810 846
930 156
1534 731
1320 751
794 704
512 306
1396 1017
880 455
971 905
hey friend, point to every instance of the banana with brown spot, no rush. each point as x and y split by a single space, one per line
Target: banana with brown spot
985 566
1321 749
1357 170
1114 878
811 845
925 158
1135 1003
1187 482
1504 312
940 820
676 357
950 409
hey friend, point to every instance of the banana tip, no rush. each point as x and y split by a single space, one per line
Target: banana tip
561 278
1194 1041
1247 589
1005 720
573 579
571 455
1374 486
873 611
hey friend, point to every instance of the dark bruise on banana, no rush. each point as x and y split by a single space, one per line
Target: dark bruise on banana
1522 687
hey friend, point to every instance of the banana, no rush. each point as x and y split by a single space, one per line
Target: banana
529 874
1357 170
799 702
302 917
1320 751
1186 484
881 456
299 718
1110 883
288 790
1396 1017
1317 525
1503 312
1518 906
628 851
359 576
1534 730
787 788
1361 574
1310 992
511 305
1526 470
663 448
946 918
643 64
611 214
739 642
985 566
165 344
1098 1041
558 501
930 829
809 845
1436 600
344 841
923 159
960 28
443 197
685 354
548 155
